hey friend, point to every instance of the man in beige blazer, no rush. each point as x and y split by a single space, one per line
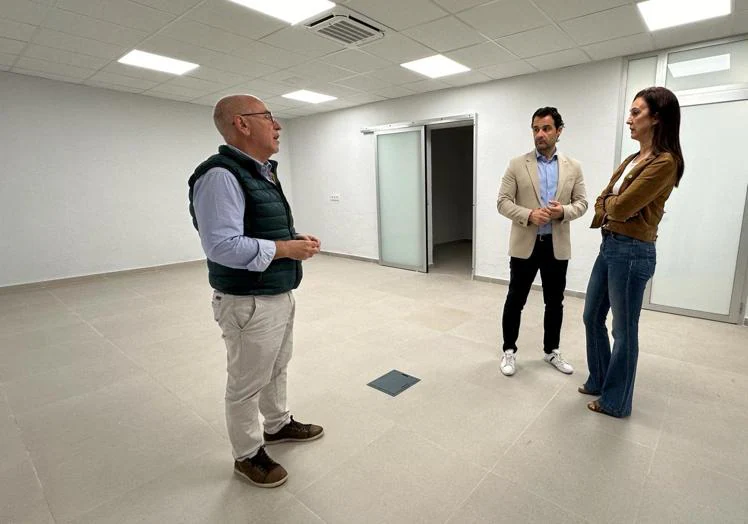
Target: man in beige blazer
541 192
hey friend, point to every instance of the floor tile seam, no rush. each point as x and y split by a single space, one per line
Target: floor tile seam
527 426
309 509
541 495
681 457
58 368
28 454
462 503
150 375
395 425
114 498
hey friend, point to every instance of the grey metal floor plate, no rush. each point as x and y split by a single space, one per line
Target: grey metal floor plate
393 383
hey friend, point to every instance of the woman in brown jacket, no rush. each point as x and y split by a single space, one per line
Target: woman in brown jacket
628 211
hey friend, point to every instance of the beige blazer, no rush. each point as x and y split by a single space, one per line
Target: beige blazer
520 193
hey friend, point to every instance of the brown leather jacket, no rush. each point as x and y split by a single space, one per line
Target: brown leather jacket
640 204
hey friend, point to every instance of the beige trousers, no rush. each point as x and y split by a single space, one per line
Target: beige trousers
258 332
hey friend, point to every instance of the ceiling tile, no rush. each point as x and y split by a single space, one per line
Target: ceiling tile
481 55
216 75
43 74
121 12
628 45
336 90
397 48
86 46
7 60
176 7
516 68
211 99
12 47
364 98
566 9
394 92
155 77
196 84
122 80
271 55
236 19
232 64
455 6
317 70
614 23
397 14
397 75
24 11
113 87
180 91
87 27
367 82
302 41
558 60
169 96
293 81
195 33
358 61
15 30
504 17
540 41
281 103
467 78
700 31
62 56
445 34
424 86
32 64
264 86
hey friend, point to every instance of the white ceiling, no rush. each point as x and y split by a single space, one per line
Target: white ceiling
239 50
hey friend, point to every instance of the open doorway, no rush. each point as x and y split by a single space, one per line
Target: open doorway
450 173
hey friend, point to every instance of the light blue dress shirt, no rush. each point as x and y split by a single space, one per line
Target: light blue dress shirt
548 175
219 208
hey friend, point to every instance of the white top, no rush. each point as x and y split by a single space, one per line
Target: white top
619 182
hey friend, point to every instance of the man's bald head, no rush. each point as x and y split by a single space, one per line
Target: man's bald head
230 106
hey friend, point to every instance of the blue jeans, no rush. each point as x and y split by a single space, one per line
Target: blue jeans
617 282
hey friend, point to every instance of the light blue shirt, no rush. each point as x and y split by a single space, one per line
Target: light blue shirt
548 175
219 208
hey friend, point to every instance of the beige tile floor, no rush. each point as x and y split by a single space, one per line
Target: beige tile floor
111 408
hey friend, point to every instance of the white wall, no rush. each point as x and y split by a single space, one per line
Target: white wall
452 184
330 155
94 180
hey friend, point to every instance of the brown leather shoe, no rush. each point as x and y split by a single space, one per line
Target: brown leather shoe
294 432
261 470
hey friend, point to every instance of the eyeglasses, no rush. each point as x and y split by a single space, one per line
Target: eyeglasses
267 115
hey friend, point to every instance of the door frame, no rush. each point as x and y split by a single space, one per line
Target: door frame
427 124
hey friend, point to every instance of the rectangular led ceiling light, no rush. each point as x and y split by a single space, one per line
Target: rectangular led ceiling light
436 66
291 11
700 66
660 14
157 62
309 96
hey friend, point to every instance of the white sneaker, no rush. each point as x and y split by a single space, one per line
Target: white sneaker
508 363
555 359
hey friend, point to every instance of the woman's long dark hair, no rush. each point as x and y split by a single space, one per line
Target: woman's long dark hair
663 104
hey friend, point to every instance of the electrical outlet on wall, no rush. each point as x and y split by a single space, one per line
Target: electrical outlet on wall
334 197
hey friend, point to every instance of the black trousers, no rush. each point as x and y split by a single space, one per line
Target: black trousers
553 277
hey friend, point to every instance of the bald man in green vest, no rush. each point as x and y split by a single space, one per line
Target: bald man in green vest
254 262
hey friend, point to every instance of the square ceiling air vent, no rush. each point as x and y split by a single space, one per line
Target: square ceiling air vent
345 29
